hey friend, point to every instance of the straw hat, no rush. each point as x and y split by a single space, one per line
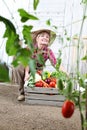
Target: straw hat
50 32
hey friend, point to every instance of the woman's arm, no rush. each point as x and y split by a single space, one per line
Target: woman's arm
26 73
52 57
53 61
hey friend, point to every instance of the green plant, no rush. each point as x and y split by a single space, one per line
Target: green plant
13 48
66 85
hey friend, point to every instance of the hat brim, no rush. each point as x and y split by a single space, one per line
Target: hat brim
50 32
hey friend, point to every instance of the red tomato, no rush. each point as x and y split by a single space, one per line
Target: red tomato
52 84
39 84
53 80
68 108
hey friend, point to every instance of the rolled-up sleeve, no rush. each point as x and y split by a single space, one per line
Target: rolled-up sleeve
52 57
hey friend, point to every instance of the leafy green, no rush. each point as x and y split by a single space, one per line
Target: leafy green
59 74
31 81
45 75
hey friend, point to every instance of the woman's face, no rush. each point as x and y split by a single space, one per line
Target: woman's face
42 40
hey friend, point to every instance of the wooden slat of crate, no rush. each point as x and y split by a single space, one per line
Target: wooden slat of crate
43 96
41 90
44 102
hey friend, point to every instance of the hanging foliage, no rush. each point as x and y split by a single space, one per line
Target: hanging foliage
13 48
35 4
26 16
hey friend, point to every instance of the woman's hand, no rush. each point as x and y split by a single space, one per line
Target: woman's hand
26 73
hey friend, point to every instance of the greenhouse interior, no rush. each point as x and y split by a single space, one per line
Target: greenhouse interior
43 64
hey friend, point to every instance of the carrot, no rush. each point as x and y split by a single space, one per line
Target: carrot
44 84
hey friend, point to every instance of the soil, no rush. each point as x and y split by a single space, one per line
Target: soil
16 115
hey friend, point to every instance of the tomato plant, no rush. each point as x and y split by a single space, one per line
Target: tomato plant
68 108
53 79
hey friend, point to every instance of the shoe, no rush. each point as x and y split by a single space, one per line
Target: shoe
21 98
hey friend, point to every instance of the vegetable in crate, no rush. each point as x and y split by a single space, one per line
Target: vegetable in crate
45 75
30 82
47 80
42 82
52 84
39 84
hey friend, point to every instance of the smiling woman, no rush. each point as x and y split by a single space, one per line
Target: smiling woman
41 41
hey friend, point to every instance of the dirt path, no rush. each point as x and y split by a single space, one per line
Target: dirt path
16 115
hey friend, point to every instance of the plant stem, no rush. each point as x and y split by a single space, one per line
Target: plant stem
78 45
81 114
78 62
86 102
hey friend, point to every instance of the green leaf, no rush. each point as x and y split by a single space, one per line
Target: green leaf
85 57
26 16
32 67
22 57
24 52
12 44
45 75
58 64
15 62
55 27
84 1
27 34
81 82
54 74
68 38
83 95
4 73
60 84
40 59
69 89
48 22
65 32
9 26
35 4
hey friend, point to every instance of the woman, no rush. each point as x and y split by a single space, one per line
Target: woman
41 40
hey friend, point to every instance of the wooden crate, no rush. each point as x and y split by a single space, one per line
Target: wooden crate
43 96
